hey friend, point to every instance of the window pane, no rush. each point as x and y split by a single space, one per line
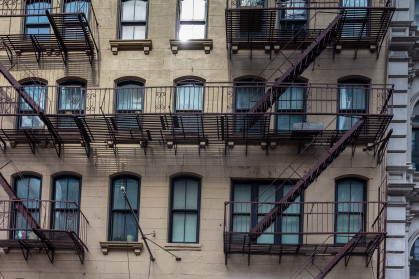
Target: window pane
344 195
242 193
61 189
140 10
252 2
128 10
118 226
189 97
118 197
73 191
66 220
290 224
415 148
292 99
347 223
191 31
37 30
354 3
139 32
132 192
266 195
294 208
241 223
178 228
72 99
267 237
191 223
192 10
130 97
286 122
179 194
352 98
127 32
192 194
247 97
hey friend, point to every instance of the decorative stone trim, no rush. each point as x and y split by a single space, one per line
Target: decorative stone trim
182 247
117 45
120 245
194 44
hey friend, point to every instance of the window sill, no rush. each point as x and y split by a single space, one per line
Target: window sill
182 247
120 245
117 45
194 44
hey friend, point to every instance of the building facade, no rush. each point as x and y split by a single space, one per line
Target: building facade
402 149
249 137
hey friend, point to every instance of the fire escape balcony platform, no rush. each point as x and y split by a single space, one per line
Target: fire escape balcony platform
258 28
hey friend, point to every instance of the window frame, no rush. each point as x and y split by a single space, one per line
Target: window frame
30 83
283 19
303 110
279 194
198 210
141 84
111 199
192 22
183 83
27 25
359 82
75 84
65 2
364 207
121 23
13 218
53 209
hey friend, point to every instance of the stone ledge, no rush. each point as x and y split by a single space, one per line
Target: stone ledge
120 245
117 45
194 44
182 247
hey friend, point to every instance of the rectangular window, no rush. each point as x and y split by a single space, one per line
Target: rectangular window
133 19
37 24
27 189
357 21
189 104
293 16
289 104
65 209
184 216
251 3
252 201
417 12
38 92
192 19
352 100
350 209
122 226
415 148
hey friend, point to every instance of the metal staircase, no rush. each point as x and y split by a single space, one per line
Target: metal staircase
348 138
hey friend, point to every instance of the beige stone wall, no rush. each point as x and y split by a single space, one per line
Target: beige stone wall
156 168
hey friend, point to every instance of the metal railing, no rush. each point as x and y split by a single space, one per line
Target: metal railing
212 98
308 4
52 216
305 222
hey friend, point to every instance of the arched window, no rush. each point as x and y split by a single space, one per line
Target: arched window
353 95
77 6
129 96
350 208
184 209
28 190
189 100
414 260
37 23
37 90
122 226
71 100
66 194
291 106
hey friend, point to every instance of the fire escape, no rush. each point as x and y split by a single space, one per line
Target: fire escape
27 223
260 25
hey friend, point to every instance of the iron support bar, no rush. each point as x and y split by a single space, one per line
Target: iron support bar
58 36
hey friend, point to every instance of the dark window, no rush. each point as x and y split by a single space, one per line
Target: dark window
26 189
353 99
192 19
355 25
122 226
350 208
184 210
37 23
245 215
133 19
77 6
65 209
247 93
415 146
251 3
37 90
289 104
293 16
414 260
